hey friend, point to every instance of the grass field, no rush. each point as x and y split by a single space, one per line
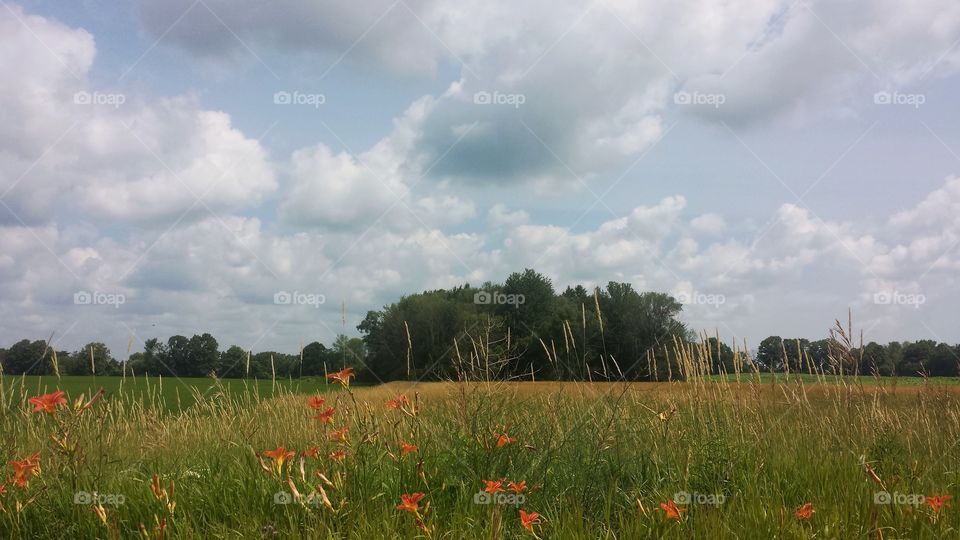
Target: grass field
598 461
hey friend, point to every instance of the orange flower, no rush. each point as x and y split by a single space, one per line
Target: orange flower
24 469
325 416
340 435
517 488
3 489
398 402
313 452
804 512
937 502
493 486
48 403
343 376
338 456
279 457
410 502
529 520
315 402
503 439
673 511
406 448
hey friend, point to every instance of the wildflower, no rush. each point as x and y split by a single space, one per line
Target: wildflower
48 403
406 448
279 457
340 435
398 402
517 488
672 510
101 512
325 416
315 402
937 502
493 486
338 456
528 520
503 439
805 512
3 489
24 469
410 502
313 452
343 376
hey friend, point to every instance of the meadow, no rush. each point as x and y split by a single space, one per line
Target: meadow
755 459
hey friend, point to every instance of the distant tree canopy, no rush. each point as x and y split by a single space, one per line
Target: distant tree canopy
521 329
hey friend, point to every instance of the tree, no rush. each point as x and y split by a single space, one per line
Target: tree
770 353
27 358
99 355
203 356
233 362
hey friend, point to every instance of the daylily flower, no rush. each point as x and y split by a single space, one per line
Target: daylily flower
805 512
410 502
315 402
937 502
517 488
24 469
503 439
672 510
325 416
493 486
313 452
398 402
48 403
528 520
340 435
338 456
343 376
406 448
279 457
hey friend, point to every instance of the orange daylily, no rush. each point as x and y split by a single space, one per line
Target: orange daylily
516 487
279 457
325 416
398 402
313 452
406 448
338 456
24 469
48 403
343 376
503 439
493 486
804 512
937 502
315 402
410 502
672 510
528 520
340 435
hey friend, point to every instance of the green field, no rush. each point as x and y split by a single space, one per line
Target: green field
810 378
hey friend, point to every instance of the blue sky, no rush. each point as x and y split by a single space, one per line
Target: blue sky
771 163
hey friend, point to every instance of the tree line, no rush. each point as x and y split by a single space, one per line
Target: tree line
519 329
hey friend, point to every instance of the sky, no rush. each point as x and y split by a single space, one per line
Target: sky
270 171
